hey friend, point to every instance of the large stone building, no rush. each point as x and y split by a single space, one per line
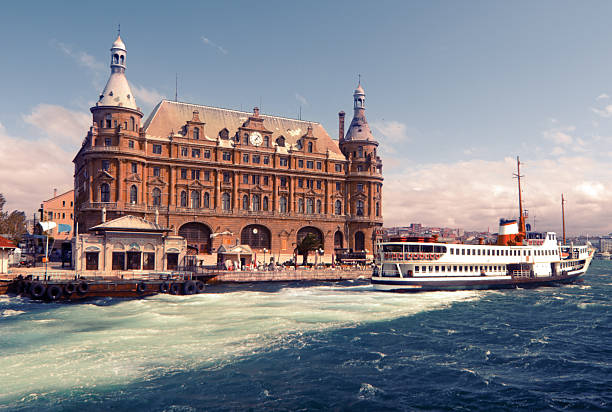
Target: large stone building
219 176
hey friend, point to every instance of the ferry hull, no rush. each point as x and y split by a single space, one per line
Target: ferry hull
423 284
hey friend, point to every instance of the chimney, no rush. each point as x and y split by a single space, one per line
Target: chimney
54 191
104 214
341 126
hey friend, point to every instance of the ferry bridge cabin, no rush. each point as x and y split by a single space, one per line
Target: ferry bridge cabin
225 177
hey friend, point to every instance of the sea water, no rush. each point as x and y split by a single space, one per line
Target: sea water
305 346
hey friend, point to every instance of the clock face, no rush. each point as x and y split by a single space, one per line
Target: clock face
256 138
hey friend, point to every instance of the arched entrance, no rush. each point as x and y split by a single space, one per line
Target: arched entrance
256 236
197 236
359 241
301 234
338 240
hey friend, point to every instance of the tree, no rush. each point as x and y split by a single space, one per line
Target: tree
309 243
12 224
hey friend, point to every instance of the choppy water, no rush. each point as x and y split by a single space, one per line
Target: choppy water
316 346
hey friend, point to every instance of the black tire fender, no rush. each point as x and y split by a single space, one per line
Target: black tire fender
37 290
141 287
164 287
200 286
54 292
189 288
70 288
175 288
83 288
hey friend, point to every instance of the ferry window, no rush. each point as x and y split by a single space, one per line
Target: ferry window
427 248
443 268
460 268
471 268
416 268
478 252
488 252
454 268
431 268
463 251
437 268
451 251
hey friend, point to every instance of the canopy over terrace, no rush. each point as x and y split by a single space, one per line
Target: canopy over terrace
227 256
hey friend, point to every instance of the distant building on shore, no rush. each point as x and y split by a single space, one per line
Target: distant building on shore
224 177
59 209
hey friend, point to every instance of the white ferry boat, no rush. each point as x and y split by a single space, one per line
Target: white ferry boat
518 259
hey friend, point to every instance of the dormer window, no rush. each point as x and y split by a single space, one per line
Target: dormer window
309 147
196 133
280 141
266 141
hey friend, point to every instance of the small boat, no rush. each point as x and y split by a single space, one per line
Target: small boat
520 258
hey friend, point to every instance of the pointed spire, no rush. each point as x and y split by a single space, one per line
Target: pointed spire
359 128
117 91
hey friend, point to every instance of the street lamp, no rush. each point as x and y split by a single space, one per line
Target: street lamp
265 251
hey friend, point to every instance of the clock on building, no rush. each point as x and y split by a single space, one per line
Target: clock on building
256 138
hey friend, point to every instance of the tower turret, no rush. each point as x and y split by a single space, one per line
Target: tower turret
117 91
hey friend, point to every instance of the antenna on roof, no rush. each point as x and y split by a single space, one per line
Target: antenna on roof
359 78
176 87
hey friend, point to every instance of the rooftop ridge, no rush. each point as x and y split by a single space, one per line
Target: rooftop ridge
239 111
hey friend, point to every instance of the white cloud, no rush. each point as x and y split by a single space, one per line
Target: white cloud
301 99
391 134
31 169
605 112
147 96
560 135
209 42
82 58
66 127
475 194
603 96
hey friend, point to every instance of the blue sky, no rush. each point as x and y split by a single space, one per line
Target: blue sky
455 90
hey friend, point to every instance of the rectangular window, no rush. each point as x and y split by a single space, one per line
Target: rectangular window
105 164
108 141
195 175
91 260
133 260
226 177
300 182
360 187
227 156
131 144
300 163
265 180
206 154
256 159
309 183
183 173
134 167
245 158
309 164
184 152
157 149
206 175
245 179
338 186
195 153
452 251
318 184
283 161
255 179
319 165
283 182
172 261
148 261
338 167
266 160
118 261
156 171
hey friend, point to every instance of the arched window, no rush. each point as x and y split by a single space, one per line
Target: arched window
338 240
245 202
206 200
133 194
104 192
256 236
377 209
318 206
338 207
256 203
359 241
360 208
109 121
360 151
226 201
266 141
122 59
183 199
195 199
156 197
265 203
300 205
132 124
197 236
116 58
196 133
283 204
309 147
309 206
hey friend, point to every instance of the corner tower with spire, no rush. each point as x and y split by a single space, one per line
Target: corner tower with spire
110 146
364 178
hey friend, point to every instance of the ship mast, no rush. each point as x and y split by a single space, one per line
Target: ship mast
563 216
521 216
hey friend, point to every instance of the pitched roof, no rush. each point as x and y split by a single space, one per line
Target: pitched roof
6 244
169 116
129 222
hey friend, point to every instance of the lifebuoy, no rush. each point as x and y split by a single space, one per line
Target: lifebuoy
83 288
174 289
54 292
69 289
200 286
164 287
189 288
141 287
37 290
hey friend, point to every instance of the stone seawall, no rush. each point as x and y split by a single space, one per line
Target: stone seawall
289 276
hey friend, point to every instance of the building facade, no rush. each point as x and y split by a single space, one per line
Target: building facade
59 209
224 177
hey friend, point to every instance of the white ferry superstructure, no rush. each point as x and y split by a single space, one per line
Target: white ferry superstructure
519 258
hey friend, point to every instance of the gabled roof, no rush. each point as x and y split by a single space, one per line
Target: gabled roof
235 250
169 116
6 244
131 223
